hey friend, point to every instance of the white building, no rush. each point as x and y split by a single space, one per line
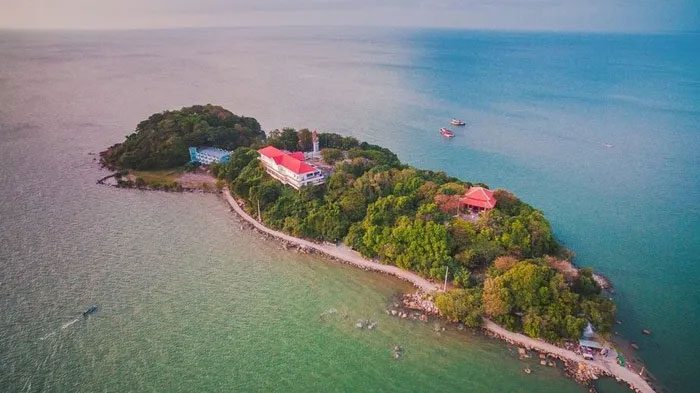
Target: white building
209 155
290 168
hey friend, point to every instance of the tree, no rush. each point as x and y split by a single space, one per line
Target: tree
289 139
584 284
305 140
462 305
331 155
504 262
162 140
496 301
463 233
326 223
353 205
452 188
417 245
507 202
251 175
238 160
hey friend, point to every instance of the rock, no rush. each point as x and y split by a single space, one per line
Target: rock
551 364
522 351
393 312
360 324
543 362
542 356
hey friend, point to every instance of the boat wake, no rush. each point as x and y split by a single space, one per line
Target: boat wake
67 324
90 311
47 336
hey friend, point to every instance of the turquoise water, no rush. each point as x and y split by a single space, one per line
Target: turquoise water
191 302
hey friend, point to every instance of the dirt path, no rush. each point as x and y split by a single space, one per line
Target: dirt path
608 365
342 253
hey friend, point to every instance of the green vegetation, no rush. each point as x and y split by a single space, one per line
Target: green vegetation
161 141
505 264
409 217
532 296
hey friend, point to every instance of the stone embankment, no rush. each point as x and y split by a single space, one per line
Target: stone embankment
583 370
338 252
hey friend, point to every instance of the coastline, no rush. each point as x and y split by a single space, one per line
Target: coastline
575 363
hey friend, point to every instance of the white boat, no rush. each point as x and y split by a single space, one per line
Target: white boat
447 133
457 122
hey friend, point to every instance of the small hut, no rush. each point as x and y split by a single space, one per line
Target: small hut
478 199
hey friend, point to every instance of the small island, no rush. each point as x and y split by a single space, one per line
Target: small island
496 256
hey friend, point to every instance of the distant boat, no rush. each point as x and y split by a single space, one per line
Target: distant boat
457 122
91 310
447 133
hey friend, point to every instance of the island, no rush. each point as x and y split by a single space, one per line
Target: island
480 257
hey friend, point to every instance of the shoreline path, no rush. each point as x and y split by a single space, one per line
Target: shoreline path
607 365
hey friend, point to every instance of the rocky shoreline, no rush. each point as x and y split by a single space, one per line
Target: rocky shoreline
421 307
121 180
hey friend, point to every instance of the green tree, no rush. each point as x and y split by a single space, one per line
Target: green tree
162 140
353 205
238 160
462 305
331 155
305 140
289 139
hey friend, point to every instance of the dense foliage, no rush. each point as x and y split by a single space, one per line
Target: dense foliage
163 139
500 263
410 217
533 296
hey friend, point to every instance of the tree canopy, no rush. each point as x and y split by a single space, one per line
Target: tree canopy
162 140
501 264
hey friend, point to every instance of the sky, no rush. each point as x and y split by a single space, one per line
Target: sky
556 15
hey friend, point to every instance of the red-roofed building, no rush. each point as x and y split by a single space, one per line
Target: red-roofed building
478 198
290 168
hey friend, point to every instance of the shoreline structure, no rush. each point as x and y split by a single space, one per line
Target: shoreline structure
607 367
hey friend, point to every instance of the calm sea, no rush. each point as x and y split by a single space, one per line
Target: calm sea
602 132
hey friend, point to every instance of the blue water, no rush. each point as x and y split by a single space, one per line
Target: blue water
543 111
602 132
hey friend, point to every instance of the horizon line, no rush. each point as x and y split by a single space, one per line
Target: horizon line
397 27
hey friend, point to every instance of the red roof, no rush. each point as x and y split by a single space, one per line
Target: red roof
299 155
479 197
292 161
270 151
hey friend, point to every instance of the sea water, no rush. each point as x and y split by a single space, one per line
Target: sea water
599 131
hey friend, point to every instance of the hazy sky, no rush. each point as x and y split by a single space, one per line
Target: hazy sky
587 15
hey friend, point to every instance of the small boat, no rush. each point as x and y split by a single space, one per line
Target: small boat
447 133
457 122
91 310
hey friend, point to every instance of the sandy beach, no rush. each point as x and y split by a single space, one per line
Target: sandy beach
600 366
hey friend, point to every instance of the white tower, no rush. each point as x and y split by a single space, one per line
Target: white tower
314 139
